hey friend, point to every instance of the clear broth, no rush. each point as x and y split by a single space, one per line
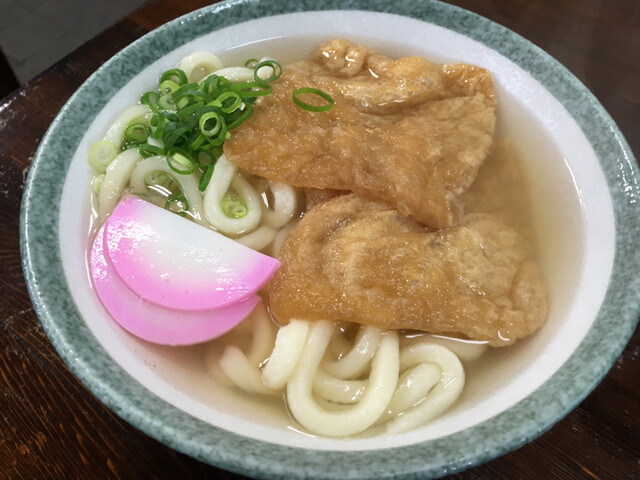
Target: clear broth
543 204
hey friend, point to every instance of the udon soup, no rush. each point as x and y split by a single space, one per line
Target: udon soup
354 242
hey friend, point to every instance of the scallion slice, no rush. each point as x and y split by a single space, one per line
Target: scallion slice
150 99
188 124
313 91
167 102
147 150
206 177
136 133
233 206
275 66
177 203
101 154
176 75
229 101
180 162
210 123
258 88
241 117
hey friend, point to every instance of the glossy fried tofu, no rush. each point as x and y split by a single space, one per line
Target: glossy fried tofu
353 259
407 132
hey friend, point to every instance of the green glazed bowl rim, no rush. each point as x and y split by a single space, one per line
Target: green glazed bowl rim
615 322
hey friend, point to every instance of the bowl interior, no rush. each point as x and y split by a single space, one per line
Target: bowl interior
571 207
584 185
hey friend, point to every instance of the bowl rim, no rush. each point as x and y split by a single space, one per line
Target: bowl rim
615 322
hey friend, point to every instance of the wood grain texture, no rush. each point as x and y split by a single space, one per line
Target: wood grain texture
52 427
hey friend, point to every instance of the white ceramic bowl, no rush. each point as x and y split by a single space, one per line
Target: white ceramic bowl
580 167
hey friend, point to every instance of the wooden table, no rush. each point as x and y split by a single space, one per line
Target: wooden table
52 427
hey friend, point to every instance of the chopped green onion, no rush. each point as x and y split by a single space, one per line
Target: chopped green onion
180 162
188 124
177 203
150 99
313 91
233 206
101 154
239 119
175 135
176 75
168 86
259 88
156 124
197 143
188 89
210 124
215 84
147 150
136 133
206 158
206 177
193 108
275 66
167 102
229 101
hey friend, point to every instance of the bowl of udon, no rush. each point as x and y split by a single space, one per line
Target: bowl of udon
317 241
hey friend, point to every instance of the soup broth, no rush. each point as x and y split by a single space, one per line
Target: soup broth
525 182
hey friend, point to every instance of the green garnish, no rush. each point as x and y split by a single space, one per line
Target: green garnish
101 154
233 206
191 118
190 121
181 161
275 66
136 133
177 203
313 91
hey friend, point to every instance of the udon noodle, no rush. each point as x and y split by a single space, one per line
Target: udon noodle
336 379
340 380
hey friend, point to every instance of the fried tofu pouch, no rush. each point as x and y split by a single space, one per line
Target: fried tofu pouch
407 132
352 259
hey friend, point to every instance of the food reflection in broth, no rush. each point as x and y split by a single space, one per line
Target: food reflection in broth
339 378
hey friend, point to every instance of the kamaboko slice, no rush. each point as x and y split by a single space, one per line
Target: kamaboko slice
153 322
172 262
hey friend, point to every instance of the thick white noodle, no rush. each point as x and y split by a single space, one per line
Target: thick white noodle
338 390
266 71
199 65
263 336
443 394
225 177
339 344
188 183
358 417
259 239
285 204
115 133
289 344
356 361
256 335
236 74
115 181
239 369
414 385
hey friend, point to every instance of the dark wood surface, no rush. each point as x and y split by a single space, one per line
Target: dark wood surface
51 427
